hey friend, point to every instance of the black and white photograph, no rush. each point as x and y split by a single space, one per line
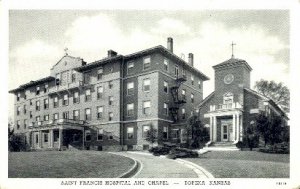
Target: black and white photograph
138 98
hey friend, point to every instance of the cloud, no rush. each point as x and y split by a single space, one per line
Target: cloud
32 60
167 26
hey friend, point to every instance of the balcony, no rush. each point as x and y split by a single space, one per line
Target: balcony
69 86
181 78
229 106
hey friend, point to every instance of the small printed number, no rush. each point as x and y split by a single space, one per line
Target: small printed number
281 183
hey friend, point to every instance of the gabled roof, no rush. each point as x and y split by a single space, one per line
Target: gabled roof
63 58
32 83
206 99
233 62
266 99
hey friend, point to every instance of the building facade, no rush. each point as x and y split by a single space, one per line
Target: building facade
110 104
233 106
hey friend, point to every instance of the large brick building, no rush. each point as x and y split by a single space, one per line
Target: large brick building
109 104
233 106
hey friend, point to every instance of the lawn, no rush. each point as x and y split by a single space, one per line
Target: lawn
244 164
67 164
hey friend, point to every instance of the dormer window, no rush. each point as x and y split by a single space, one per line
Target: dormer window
37 90
18 96
46 88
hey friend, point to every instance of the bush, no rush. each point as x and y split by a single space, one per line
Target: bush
184 153
159 150
240 145
17 143
279 148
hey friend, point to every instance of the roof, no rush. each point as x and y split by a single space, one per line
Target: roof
159 49
170 55
98 63
32 83
266 99
64 57
232 62
206 99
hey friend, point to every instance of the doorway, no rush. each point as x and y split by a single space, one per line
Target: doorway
224 133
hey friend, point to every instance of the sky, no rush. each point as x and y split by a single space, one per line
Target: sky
37 39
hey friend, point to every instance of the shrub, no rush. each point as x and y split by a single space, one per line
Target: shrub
159 150
184 153
279 148
240 145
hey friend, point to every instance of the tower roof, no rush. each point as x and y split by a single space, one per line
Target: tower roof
233 62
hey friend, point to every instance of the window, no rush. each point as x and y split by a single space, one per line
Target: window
111 69
88 95
65 115
129 132
146 107
46 88
66 100
88 136
130 109
183 72
37 105
146 62
183 113
46 117
99 92
88 114
100 134
55 102
73 76
99 73
55 136
110 136
166 109
55 116
175 133
110 100
130 88
18 124
99 112
86 77
57 79
76 97
146 128
45 137
110 84
25 123
25 109
18 96
199 84
183 94
37 92
76 115
25 97
166 86
30 102
146 85
110 116
166 65
176 71
30 114
192 98
165 132
46 103
38 120
18 110
130 66
192 79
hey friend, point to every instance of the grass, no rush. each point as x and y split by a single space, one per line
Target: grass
245 164
55 164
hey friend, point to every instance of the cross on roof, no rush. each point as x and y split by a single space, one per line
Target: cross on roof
232 44
66 50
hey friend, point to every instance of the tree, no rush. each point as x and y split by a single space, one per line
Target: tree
151 135
278 92
196 132
263 127
275 130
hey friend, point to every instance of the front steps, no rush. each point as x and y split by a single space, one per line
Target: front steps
221 146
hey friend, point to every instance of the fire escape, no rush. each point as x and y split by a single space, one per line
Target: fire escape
178 99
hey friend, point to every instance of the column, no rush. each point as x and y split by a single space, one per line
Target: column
60 135
238 128
233 126
83 139
51 138
211 129
40 139
215 129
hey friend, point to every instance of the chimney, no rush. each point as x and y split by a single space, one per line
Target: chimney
111 53
191 59
170 44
